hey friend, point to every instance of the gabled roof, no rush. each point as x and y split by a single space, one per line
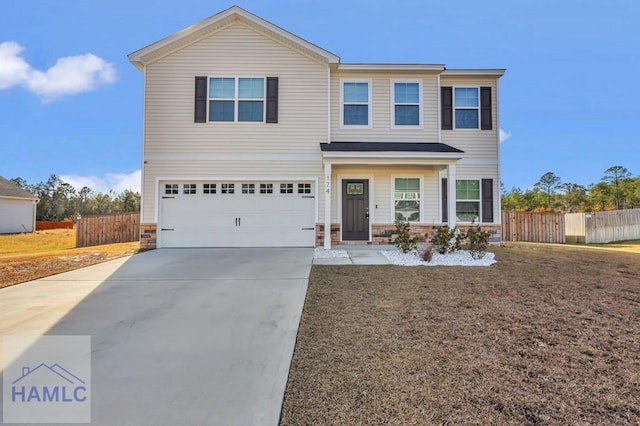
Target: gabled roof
11 190
215 23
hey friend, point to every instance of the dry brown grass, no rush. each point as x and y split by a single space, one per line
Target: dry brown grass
545 336
26 257
37 242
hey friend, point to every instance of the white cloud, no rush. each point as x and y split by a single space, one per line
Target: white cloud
69 76
13 68
117 182
504 135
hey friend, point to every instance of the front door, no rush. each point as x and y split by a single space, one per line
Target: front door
355 210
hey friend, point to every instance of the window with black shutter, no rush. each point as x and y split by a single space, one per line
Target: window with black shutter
272 100
446 107
445 200
485 109
487 200
200 109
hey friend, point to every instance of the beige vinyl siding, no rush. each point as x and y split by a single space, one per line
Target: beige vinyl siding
236 51
381 129
474 143
381 189
171 136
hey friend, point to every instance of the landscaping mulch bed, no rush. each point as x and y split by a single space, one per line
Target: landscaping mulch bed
545 336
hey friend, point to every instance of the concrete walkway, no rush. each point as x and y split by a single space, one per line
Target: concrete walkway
178 336
357 255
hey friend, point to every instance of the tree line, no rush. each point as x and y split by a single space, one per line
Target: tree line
59 200
617 189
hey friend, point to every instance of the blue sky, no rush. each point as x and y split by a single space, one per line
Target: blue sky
71 103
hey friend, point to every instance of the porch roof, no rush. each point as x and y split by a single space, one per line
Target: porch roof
399 153
388 147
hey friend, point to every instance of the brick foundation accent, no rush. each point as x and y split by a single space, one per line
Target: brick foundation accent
386 233
148 236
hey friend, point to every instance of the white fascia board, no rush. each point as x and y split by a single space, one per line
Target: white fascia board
30 199
497 72
392 154
391 67
137 57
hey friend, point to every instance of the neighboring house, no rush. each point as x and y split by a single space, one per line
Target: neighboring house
17 208
253 136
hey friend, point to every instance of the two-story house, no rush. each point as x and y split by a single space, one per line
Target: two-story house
253 136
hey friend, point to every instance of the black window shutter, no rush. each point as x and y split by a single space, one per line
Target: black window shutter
445 200
487 200
200 114
485 108
446 104
272 99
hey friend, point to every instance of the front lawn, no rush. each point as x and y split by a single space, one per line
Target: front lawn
545 336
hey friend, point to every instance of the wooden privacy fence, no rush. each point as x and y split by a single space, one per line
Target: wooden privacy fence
43 225
603 227
107 229
534 227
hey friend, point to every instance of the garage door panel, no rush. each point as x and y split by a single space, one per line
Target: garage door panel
237 220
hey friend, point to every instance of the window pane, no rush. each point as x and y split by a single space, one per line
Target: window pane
407 115
466 97
407 93
467 211
412 184
408 210
221 110
466 118
468 190
251 88
250 111
356 92
222 88
356 115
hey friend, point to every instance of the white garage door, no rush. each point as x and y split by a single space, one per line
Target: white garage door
237 214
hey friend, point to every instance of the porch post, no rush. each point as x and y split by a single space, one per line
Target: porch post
327 206
451 198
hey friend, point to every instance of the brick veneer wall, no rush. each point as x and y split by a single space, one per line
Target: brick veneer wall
148 236
386 233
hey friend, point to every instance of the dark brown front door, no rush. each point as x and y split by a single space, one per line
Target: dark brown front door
355 210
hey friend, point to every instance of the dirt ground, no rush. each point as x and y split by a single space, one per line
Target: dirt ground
547 336
26 257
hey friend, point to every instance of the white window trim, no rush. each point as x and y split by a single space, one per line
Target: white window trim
369 104
453 102
237 99
393 104
479 221
392 209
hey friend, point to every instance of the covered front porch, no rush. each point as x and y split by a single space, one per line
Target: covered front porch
367 186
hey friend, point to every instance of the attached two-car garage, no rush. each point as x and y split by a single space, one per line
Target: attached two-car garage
237 214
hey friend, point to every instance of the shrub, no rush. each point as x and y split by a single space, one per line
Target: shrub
477 241
447 240
404 241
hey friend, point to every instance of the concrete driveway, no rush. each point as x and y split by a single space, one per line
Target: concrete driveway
178 336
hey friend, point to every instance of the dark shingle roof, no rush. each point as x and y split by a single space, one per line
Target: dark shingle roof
10 189
387 147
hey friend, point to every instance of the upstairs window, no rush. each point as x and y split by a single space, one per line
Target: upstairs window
356 100
236 99
467 105
406 103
